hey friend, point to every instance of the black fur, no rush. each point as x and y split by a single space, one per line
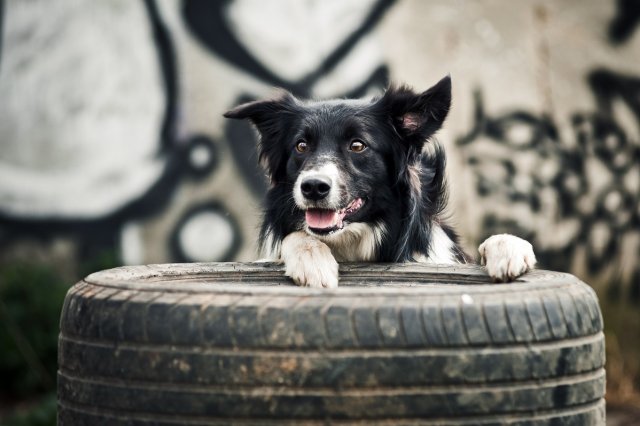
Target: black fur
402 181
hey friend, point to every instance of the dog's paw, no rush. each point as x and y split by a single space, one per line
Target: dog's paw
309 262
506 257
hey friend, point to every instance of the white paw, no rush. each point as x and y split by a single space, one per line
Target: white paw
506 257
309 262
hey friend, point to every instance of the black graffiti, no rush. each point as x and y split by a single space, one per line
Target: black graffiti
179 253
168 66
207 21
605 212
541 135
624 24
97 235
608 86
195 157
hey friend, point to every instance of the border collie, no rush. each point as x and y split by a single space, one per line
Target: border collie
352 181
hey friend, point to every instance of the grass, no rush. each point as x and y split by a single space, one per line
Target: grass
31 298
39 412
622 333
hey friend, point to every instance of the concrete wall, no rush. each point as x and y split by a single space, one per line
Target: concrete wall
112 140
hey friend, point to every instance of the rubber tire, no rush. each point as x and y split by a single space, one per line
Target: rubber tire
233 343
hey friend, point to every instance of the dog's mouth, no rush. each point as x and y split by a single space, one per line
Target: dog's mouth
323 221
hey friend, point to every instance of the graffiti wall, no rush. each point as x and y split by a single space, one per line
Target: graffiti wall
112 139
111 127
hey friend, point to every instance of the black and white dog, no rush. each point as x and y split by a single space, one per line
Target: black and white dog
350 181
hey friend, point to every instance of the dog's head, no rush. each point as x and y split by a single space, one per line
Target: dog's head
343 159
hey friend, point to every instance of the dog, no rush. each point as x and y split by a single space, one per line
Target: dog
362 181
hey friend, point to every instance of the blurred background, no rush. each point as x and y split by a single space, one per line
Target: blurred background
113 149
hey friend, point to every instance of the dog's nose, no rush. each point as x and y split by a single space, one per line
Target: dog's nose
316 188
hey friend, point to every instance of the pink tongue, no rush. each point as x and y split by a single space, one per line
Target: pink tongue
322 219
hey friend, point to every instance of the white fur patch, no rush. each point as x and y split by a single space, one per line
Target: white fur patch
329 170
269 251
357 242
414 179
308 261
441 250
506 257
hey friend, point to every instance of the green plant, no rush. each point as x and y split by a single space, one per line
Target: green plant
39 413
31 298
622 327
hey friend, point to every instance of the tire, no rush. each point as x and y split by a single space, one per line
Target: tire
403 344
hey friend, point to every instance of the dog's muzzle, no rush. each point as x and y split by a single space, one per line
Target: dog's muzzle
318 195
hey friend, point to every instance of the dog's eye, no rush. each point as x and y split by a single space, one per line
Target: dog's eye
357 146
301 146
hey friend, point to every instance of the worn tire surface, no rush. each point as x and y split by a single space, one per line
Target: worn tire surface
231 343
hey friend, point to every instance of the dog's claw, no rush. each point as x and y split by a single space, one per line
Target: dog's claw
506 257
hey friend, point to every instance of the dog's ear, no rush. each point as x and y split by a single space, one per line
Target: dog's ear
269 117
417 116
265 114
